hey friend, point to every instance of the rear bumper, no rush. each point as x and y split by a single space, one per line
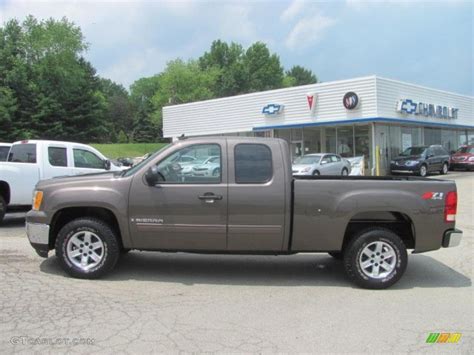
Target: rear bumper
38 235
452 238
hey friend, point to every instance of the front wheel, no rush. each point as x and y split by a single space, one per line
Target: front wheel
87 248
423 170
376 258
316 173
345 172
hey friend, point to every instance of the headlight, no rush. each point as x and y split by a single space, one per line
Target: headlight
305 170
411 162
470 159
37 199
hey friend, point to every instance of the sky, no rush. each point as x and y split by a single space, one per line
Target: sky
421 42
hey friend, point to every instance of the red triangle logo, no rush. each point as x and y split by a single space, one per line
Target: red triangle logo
310 101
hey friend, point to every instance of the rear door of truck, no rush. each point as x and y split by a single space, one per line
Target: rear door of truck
259 195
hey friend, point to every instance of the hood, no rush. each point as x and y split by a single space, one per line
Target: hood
408 157
83 178
301 166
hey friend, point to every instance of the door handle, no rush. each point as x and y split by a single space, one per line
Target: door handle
209 197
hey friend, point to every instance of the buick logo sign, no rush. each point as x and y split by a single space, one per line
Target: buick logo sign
350 100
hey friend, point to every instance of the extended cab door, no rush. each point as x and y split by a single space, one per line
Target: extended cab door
258 193
183 211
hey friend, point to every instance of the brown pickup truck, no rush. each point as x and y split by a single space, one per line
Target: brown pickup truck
237 196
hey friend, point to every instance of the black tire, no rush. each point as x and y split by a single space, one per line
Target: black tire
444 170
423 170
102 231
3 208
316 173
361 243
336 255
345 172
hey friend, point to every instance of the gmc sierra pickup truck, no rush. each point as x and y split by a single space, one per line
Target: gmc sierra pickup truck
246 202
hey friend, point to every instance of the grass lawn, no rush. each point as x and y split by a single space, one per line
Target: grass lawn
113 151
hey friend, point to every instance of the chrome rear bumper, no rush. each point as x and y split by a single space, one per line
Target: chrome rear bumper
452 238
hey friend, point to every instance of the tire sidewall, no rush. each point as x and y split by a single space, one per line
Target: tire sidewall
355 250
102 231
3 208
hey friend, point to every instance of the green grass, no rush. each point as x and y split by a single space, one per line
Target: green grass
113 151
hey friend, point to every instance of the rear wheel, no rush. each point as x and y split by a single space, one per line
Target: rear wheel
3 208
444 169
376 258
423 170
87 248
344 172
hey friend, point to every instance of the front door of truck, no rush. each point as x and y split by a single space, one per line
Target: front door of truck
187 208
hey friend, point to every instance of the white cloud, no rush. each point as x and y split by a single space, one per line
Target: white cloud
293 10
308 31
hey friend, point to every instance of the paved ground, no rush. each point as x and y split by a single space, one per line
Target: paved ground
183 303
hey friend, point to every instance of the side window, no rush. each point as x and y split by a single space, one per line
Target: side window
326 159
191 165
4 153
85 159
57 156
23 153
335 158
253 163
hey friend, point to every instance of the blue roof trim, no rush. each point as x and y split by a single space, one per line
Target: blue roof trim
360 120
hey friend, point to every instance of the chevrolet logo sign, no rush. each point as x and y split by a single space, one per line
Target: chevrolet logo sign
272 109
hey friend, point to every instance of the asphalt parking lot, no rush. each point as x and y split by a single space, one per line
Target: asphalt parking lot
174 303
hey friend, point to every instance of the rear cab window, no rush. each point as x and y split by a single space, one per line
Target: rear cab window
57 156
23 153
4 153
253 163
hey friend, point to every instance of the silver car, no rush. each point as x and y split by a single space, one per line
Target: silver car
321 164
210 167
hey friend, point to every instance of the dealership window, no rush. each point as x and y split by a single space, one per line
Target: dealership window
330 136
345 141
448 140
470 137
362 144
432 136
312 140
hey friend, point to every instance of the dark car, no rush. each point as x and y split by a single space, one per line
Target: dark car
463 158
421 160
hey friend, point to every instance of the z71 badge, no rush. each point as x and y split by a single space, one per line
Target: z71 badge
433 195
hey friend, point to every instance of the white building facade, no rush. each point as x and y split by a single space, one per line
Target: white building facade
350 117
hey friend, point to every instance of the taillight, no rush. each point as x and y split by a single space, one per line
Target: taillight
450 206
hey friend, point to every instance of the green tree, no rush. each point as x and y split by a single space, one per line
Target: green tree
301 76
262 69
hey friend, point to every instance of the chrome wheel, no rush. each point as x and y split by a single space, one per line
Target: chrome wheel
377 260
423 170
85 250
445 169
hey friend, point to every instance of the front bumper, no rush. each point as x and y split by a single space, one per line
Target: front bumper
452 238
462 165
404 169
38 235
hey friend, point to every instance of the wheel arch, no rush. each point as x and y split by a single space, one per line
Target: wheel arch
5 191
67 214
396 221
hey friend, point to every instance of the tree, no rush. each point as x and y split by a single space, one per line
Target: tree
301 76
228 60
262 69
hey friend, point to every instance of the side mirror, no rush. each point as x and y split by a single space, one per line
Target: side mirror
107 164
153 176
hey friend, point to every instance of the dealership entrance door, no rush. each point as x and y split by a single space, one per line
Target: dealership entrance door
296 149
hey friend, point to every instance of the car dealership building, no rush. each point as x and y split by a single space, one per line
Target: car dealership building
370 116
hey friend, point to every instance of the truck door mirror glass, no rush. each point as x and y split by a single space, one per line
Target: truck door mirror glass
153 176
107 164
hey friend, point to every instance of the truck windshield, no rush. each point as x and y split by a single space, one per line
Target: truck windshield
23 153
137 167
413 151
308 160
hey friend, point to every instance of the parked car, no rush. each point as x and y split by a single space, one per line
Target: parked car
30 161
4 149
421 160
321 164
463 158
128 162
253 206
210 167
